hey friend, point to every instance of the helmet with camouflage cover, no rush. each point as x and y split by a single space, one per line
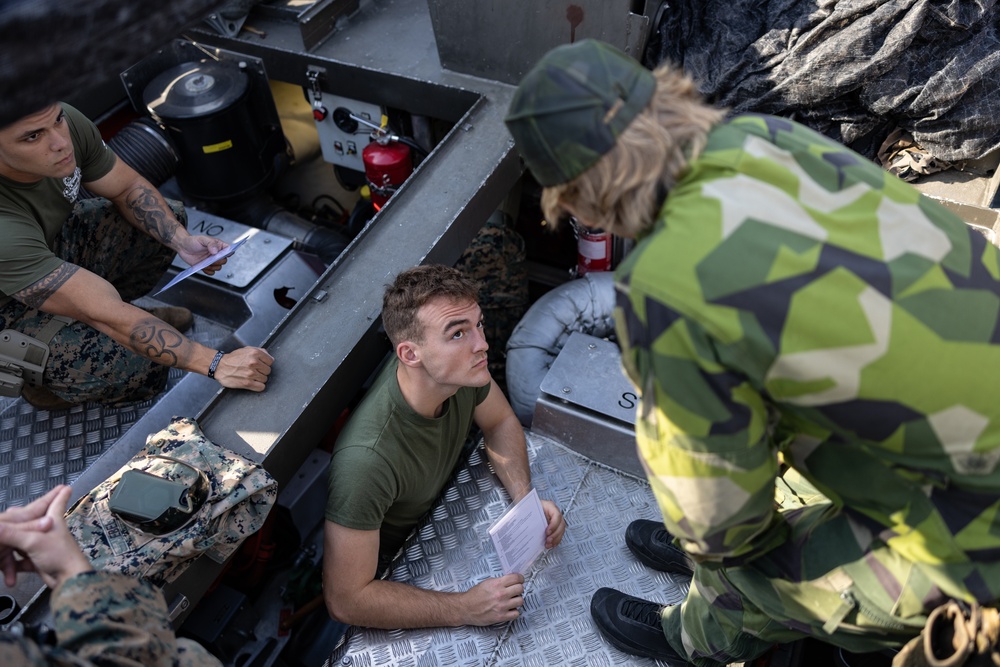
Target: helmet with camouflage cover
572 105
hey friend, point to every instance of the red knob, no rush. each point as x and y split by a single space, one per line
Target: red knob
319 113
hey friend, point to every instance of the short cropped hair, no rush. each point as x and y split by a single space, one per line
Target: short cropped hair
415 287
622 192
6 121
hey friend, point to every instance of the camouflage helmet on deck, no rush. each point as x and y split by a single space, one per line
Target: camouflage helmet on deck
571 107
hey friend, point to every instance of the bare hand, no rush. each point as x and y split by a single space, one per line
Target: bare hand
198 248
245 368
556 524
35 538
495 600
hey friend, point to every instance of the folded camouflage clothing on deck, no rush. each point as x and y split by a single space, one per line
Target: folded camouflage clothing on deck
239 496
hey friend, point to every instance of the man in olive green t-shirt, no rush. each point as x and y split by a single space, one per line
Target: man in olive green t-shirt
400 447
84 259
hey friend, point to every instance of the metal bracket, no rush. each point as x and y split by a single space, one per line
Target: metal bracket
227 27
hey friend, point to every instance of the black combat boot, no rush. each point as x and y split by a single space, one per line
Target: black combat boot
654 547
632 625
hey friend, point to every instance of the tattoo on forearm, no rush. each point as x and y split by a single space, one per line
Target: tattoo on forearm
40 291
158 342
151 215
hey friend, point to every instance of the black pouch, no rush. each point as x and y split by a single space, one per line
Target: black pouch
157 505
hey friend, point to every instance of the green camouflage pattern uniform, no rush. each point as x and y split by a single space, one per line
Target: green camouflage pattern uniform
103 618
797 310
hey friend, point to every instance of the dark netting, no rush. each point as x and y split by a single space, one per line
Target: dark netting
851 69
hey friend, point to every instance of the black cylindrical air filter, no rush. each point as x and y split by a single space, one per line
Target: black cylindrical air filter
203 105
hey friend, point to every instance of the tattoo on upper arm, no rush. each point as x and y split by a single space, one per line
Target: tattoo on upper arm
157 341
39 292
151 215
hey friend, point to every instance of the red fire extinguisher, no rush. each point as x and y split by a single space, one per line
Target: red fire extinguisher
386 167
593 249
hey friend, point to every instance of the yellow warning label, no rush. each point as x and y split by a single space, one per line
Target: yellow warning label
219 147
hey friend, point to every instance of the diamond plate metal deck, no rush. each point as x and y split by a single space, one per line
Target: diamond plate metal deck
451 551
41 449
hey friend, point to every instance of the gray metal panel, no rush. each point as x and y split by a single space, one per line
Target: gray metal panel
305 493
588 373
384 55
451 551
259 251
316 20
589 434
587 403
470 34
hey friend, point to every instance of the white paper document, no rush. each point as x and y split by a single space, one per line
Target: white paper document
204 263
519 535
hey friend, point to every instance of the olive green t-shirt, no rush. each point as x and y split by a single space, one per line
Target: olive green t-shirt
32 214
389 463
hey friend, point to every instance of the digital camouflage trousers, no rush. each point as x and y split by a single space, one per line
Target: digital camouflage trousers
85 364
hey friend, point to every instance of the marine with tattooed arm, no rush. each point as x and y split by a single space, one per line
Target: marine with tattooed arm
70 266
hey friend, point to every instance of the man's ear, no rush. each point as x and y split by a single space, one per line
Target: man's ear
408 353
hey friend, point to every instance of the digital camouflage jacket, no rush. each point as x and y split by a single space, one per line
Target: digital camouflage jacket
105 618
796 306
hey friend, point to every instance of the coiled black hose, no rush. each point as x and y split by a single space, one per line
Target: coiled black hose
143 146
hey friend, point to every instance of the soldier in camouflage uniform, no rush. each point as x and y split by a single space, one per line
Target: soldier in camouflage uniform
100 618
795 318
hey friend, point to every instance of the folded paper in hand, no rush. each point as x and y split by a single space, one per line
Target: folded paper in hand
519 535
222 254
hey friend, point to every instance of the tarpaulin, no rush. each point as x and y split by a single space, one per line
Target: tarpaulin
65 49
851 69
